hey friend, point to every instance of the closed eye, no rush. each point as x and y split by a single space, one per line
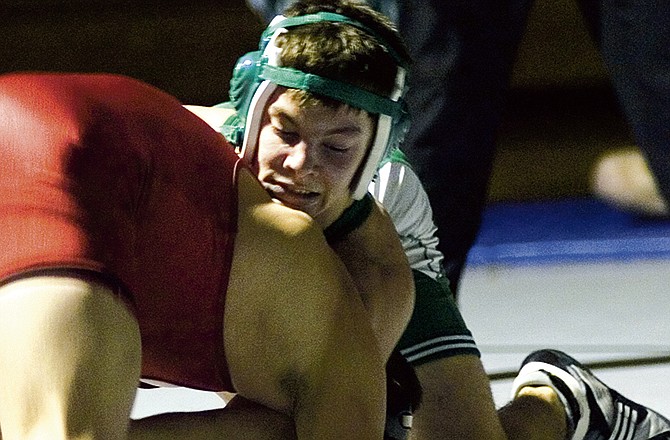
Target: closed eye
288 137
340 148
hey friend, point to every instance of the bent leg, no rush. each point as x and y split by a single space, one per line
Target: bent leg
69 360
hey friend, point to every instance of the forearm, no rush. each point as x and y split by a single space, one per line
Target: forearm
457 402
374 258
340 394
385 301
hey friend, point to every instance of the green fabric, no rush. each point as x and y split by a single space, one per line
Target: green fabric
435 315
233 127
396 156
341 91
351 218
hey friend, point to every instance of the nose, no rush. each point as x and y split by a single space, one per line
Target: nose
300 158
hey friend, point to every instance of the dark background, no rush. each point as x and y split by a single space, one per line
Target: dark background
185 47
561 113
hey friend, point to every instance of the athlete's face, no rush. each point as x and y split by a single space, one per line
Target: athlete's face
308 155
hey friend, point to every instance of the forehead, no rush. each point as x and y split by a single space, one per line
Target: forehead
294 102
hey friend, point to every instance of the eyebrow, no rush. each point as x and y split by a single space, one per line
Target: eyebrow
347 129
277 111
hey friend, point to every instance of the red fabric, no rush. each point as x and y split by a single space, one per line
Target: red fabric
106 173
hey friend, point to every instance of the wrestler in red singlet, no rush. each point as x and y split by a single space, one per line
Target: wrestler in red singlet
104 176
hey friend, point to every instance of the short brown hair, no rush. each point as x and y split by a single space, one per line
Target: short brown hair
343 52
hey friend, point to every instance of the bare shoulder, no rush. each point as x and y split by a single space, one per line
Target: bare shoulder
213 116
257 211
378 239
290 302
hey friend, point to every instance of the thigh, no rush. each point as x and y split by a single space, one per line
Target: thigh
69 358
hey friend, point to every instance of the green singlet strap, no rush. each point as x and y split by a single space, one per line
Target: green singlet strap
351 218
396 156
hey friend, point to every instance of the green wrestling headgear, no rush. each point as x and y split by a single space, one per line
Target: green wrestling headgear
258 74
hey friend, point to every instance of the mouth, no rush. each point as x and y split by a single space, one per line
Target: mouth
293 196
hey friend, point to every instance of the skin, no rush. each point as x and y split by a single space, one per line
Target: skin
623 179
308 156
291 385
81 344
457 392
456 389
314 151
303 355
335 391
290 373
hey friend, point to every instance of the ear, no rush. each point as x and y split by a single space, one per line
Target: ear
244 82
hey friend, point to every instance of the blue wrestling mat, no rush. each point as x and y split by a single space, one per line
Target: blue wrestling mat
572 230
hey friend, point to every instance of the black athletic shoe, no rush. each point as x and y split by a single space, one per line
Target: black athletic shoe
594 411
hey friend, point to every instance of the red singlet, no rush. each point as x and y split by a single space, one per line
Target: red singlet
105 173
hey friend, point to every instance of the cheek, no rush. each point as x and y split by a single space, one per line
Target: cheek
268 152
341 172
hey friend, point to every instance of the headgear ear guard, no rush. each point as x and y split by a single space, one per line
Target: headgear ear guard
258 74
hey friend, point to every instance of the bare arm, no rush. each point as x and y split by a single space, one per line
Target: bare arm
456 392
375 259
297 337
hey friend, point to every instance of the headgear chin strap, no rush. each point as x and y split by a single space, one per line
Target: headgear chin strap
258 74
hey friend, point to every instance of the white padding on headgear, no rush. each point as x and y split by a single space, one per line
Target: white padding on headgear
255 120
382 138
260 99
380 144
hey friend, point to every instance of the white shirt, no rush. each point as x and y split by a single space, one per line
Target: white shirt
399 190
